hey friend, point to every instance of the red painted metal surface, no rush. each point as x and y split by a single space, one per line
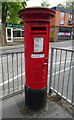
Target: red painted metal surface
37 30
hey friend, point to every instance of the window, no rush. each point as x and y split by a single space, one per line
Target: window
70 19
73 33
22 33
18 33
62 15
64 33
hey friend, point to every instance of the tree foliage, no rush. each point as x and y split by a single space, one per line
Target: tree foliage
45 3
68 4
10 11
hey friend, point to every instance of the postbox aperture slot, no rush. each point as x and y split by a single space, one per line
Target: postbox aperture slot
38 44
38 28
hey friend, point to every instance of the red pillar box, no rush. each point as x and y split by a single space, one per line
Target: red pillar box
36 30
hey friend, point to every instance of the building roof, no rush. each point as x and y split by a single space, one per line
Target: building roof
57 8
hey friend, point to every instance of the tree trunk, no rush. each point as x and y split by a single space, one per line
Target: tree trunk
3 33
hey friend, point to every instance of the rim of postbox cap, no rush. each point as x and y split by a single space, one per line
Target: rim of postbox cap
36 10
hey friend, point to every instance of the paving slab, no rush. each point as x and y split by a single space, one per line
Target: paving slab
12 107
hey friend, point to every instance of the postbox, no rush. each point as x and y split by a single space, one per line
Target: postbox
36 45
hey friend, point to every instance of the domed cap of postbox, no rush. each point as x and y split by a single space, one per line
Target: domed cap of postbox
36 14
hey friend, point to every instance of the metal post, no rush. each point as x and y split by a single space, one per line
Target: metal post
2 76
55 68
21 73
8 75
64 72
51 69
59 70
17 72
13 72
69 75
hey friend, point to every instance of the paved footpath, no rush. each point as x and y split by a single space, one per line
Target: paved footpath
13 107
15 46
